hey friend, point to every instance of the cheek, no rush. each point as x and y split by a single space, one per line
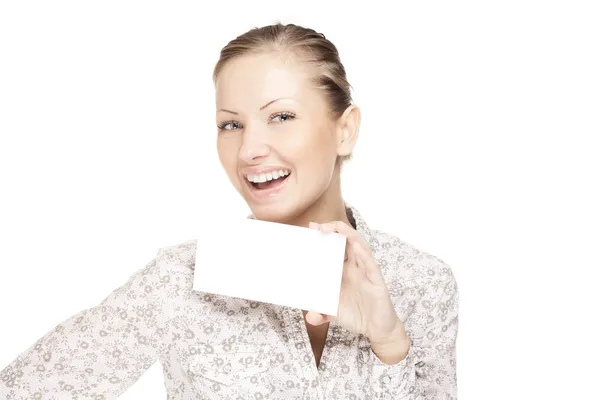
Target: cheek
313 154
318 148
313 142
228 149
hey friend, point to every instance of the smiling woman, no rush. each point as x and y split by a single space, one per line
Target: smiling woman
286 123
282 121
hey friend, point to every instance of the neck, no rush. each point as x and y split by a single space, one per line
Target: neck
329 207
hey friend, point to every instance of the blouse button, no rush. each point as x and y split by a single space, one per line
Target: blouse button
227 368
386 379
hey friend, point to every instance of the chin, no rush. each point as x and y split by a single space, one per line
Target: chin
279 211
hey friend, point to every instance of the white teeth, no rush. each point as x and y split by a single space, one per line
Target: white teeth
268 176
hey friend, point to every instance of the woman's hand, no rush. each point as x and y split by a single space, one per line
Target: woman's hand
365 305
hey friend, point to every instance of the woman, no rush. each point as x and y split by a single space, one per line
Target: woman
286 124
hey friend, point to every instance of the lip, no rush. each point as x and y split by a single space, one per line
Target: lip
263 195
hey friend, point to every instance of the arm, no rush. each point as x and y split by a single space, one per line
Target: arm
428 371
98 352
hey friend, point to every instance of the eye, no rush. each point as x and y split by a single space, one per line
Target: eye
283 116
229 125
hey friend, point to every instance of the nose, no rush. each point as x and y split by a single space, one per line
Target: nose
254 146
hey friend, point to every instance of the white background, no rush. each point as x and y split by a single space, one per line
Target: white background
478 144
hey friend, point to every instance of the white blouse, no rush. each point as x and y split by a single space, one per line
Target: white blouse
218 347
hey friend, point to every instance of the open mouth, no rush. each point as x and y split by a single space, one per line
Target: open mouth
267 181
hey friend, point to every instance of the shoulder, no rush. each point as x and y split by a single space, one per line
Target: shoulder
402 261
178 260
171 269
182 254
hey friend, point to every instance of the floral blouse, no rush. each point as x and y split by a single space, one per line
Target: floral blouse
218 347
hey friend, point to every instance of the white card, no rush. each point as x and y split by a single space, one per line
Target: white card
273 263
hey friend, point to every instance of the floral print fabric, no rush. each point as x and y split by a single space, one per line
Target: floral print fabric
218 347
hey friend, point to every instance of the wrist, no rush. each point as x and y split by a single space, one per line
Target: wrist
394 347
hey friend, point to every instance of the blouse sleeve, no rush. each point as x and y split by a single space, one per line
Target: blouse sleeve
428 372
97 353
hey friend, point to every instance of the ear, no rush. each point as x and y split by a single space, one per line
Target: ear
347 130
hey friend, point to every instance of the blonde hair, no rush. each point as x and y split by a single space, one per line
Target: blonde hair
308 46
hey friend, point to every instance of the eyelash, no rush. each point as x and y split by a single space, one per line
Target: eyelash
289 115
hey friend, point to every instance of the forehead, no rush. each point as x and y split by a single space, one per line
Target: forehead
252 80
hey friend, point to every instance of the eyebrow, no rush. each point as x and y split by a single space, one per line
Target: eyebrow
262 108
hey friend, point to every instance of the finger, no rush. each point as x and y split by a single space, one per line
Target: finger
314 225
316 319
341 227
332 227
350 256
366 261
337 226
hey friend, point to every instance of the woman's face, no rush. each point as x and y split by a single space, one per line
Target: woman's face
277 141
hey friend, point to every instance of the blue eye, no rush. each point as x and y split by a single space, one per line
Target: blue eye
223 125
232 125
284 116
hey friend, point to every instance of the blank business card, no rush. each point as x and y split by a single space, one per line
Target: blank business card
273 263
